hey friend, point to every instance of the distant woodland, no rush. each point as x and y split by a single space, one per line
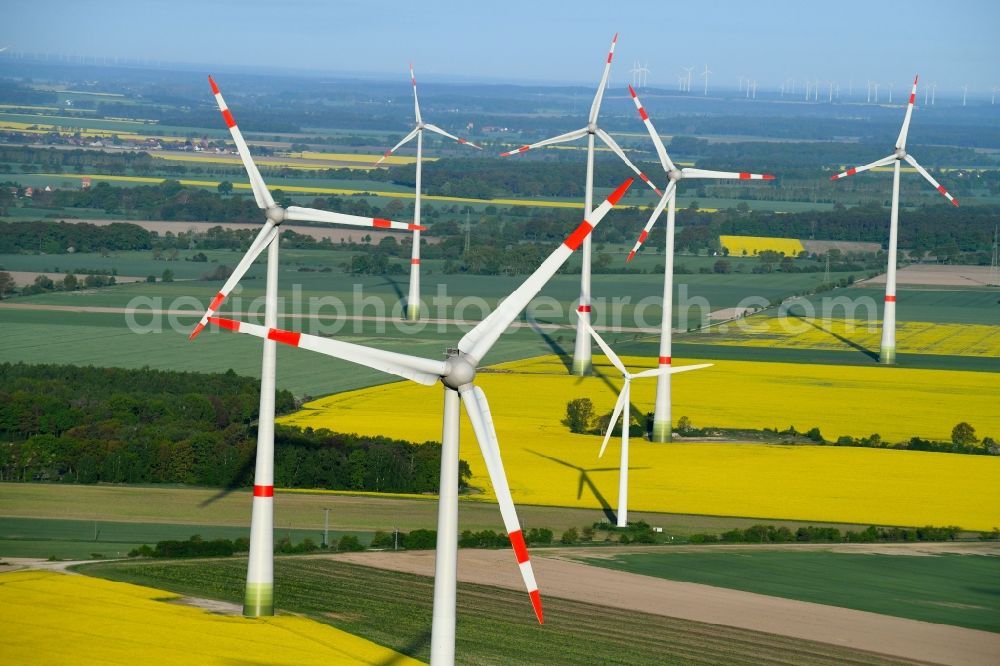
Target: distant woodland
69 424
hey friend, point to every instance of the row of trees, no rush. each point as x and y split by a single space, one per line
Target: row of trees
810 534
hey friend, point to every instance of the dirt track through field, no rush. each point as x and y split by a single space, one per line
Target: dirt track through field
883 634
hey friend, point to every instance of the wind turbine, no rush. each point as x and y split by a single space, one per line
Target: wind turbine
259 599
704 75
582 348
887 352
413 299
687 84
623 408
457 375
661 416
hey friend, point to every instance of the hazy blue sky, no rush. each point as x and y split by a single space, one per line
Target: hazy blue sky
520 40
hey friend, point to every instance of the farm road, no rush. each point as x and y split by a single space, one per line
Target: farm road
897 637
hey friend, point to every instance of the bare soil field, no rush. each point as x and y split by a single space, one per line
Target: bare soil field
335 234
937 276
883 634
23 278
824 246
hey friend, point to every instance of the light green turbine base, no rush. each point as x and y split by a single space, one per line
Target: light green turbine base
259 600
887 356
582 368
662 432
413 312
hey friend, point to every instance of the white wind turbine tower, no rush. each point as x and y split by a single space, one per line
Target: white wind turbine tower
887 353
635 72
661 416
688 71
623 409
582 348
457 375
890 91
645 74
876 85
259 595
413 298
704 75
965 93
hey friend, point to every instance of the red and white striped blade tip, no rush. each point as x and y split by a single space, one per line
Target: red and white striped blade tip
229 324
197 329
536 602
614 197
631 256
215 88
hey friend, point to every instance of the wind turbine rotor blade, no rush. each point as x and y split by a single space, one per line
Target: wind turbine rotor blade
420 370
480 339
930 179
478 409
661 150
595 108
885 161
661 204
416 103
613 145
264 238
260 191
670 370
435 128
297 213
399 145
728 175
612 356
901 141
562 138
619 406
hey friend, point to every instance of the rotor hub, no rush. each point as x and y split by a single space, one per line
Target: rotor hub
675 175
591 128
900 153
459 371
276 214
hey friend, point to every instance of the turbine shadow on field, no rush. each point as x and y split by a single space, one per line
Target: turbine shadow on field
585 480
421 641
564 356
395 286
237 481
847 341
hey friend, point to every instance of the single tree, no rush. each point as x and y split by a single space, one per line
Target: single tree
579 415
963 434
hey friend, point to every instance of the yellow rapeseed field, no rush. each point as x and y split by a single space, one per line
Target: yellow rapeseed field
548 465
753 245
202 158
392 160
912 337
53 618
308 189
38 128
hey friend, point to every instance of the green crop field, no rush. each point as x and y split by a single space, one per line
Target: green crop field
963 590
495 626
86 539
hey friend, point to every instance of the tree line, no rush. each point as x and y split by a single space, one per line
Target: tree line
70 424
